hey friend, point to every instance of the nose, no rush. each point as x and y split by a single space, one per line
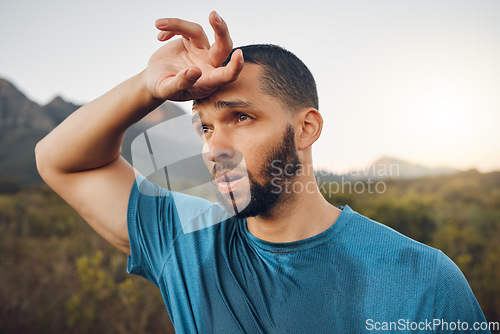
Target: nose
218 146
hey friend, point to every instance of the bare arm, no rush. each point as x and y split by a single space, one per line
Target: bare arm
80 159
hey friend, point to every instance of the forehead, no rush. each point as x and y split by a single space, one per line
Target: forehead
247 87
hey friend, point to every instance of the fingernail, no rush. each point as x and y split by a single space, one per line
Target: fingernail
218 18
160 23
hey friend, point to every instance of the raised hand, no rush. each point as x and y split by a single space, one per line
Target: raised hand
189 68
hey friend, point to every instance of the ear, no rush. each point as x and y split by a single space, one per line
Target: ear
310 124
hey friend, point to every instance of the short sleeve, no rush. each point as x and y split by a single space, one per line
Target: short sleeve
152 227
456 306
156 218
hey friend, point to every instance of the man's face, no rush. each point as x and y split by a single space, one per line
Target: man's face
248 140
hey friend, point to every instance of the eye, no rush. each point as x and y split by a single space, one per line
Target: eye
243 117
205 130
201 129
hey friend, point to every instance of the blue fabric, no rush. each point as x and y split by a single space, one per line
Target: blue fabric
358 276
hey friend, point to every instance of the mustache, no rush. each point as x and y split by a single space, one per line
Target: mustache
225 167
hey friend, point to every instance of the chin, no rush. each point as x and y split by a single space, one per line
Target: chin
234 202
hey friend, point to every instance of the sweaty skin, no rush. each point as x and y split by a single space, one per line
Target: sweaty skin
81 161
241 117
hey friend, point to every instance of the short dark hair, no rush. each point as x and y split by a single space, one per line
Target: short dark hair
285 76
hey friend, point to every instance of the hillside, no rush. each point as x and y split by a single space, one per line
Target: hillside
385 168
391 168
23 123
76 283
82 285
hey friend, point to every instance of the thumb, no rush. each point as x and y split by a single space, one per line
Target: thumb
182 81
186 79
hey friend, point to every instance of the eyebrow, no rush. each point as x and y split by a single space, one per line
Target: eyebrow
221 104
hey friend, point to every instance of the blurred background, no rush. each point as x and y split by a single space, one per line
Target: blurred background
409 95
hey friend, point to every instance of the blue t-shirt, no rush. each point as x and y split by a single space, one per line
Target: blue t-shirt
358 276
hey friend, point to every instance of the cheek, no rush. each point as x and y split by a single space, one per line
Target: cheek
257 148
205 153
255 158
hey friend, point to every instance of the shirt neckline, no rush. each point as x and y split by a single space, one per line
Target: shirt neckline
286 247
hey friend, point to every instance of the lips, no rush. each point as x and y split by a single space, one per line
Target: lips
228 182
228 177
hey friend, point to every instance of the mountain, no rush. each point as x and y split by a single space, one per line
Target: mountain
18 112
386 168
23 123
58 109
393 168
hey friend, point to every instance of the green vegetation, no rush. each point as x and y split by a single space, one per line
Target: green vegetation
459 214
58 276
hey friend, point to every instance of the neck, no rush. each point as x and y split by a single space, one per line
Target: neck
300 215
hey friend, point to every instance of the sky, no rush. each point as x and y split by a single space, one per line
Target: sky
415 80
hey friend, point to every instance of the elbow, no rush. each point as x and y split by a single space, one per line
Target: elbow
40 158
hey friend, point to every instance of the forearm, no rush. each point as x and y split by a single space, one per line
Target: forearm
91 137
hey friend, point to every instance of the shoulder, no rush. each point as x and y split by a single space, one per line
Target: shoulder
375 236
454 298
155 203
389 255
411 268
162 223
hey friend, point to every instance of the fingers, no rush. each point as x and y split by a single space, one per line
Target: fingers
224 75
165 35
191 31
192 83
184 80
223 44
189 77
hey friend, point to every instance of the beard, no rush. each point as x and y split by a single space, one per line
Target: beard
280 167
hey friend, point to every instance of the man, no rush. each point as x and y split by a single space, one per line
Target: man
288 261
